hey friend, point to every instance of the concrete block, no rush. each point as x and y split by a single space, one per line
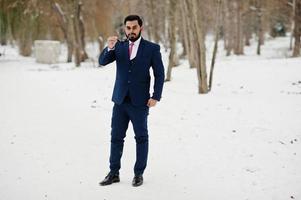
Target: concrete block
47 51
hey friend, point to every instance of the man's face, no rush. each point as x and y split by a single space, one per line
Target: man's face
132 30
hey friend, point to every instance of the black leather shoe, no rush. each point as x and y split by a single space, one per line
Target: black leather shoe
137 181
109 179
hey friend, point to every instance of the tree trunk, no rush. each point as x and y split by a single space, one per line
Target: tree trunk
225 14
84 54
185 34
248 37
79 34
64 25
192 54
70 47
217 29
3 24
260 34
184 45
25 36
76 40
230 27
247 28
233 10
292 25
154 21
149 23
101 43
238 41
297 28
200 44
172 37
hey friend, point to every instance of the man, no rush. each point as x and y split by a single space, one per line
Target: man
131 96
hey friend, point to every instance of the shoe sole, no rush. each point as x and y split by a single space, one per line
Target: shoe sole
137 185
115 181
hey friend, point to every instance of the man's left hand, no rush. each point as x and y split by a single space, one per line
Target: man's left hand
151 102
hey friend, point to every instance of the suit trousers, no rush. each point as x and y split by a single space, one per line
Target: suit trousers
121 116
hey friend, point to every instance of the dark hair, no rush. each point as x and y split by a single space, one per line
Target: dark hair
133 18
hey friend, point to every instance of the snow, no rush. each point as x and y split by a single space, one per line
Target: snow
240 141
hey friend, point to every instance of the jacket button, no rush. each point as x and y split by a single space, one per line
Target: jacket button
129 81
130 71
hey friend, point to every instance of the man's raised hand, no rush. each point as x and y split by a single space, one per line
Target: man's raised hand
112 40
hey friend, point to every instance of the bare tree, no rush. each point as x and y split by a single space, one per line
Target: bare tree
233 27
82 31
3 23
230 24
293 4
217 33
25 39
76 41
259 10
153 20
186 10
64 22
199 38
79 33
249 21
297 28
184 34
238 42
172 37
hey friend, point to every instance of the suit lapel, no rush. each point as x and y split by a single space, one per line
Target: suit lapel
126 49
140 49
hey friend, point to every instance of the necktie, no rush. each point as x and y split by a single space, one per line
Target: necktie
130 49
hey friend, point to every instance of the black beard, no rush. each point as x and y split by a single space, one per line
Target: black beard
133 39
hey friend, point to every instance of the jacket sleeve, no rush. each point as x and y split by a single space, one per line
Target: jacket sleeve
158 70
106 57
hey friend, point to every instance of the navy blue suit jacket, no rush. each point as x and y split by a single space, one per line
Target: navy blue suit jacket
133 76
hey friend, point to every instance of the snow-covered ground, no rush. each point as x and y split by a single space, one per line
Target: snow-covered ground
242 141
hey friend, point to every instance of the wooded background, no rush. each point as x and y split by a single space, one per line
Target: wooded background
168 22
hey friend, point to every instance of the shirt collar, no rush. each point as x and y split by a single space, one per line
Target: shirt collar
137 42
